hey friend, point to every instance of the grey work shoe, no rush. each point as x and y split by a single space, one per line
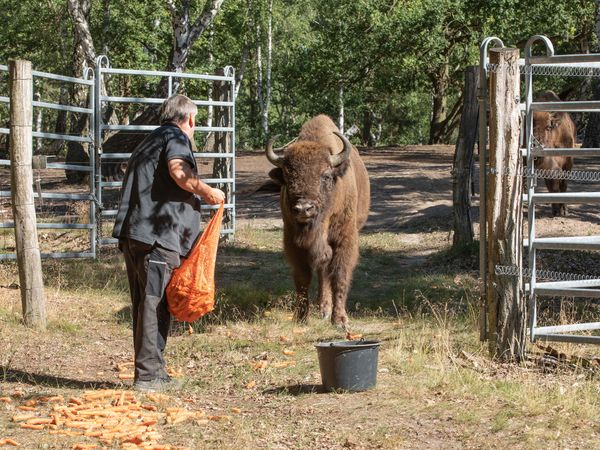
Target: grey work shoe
157 385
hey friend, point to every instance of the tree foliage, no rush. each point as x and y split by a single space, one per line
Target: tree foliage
396 65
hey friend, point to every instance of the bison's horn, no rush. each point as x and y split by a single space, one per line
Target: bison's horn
273 158
339 158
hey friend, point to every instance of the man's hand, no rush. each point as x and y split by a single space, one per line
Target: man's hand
214 196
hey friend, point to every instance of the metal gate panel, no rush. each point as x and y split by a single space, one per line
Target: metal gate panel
561 284
43 163
102 70
572 65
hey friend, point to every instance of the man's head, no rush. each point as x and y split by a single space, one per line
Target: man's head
180 110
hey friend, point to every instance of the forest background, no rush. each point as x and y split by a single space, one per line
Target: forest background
393 68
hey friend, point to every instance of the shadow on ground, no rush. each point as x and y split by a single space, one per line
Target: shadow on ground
36 379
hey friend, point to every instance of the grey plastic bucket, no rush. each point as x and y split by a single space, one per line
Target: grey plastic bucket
348 365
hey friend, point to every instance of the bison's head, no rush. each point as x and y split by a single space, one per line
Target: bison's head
308 172
545 125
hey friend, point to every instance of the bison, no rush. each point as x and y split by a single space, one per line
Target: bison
324 199
554 130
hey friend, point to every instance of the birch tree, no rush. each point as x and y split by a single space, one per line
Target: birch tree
264 82
186 30
84 56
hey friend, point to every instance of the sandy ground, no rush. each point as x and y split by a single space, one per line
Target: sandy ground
411 190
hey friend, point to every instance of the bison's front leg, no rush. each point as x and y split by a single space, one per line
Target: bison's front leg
302 281
562 209
343 262
302 272
302 278
553 185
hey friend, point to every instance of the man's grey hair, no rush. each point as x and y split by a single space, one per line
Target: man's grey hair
176 109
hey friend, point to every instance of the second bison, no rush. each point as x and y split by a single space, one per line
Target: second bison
554 130
325 196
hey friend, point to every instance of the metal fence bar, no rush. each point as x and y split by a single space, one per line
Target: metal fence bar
580 106
541 289
62 137
52 76
531 256
158 101
69 167
158 73
6 162
568 328
231 72
582 59
55 226
565 243
125 156
66 255
566 151
55 195
92 215
60 107
154 127
113 212
564 197
575 339
581 283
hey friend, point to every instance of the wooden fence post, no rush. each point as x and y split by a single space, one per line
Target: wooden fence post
28 252
505 299
463 161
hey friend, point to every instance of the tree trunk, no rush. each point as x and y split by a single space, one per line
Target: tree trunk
60 126
105 25
592 130
367 135
341 109
223 167
591 137
269 70
506 305
84 56
440 80
185 34
239 74
463 161
260 95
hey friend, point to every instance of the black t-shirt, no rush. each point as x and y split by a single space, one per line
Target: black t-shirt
153 209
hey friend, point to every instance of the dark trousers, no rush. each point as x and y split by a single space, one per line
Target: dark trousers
149 270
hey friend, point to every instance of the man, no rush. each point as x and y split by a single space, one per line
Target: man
158 222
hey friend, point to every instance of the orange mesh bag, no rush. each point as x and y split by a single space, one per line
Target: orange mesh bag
191 291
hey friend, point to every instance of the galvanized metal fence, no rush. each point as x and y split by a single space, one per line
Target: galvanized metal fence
101 194
106 188
557 283
43 162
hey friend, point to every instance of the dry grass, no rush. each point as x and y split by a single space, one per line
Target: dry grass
436 386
